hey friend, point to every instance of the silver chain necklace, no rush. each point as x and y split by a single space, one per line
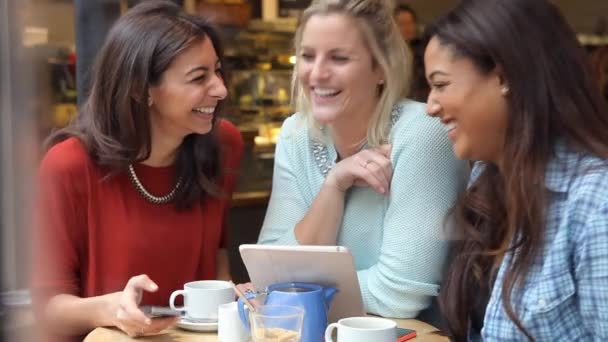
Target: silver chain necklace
321 155
147 195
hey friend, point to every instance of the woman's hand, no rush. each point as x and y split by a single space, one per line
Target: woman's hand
248 288
245 287
127 315
369 167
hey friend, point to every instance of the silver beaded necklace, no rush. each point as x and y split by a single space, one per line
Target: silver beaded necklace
147 195
321 154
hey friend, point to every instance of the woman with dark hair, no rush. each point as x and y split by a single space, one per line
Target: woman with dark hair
532 227
134 192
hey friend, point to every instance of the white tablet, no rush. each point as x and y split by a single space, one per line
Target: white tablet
323 265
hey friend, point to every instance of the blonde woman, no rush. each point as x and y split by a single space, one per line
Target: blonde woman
359 165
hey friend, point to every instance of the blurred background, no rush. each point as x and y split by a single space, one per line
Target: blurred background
48 46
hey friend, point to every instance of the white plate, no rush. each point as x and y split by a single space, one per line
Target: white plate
201 327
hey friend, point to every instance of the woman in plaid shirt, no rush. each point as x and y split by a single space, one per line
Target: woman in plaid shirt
510 82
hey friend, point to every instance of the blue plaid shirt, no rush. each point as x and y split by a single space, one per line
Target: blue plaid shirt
565 295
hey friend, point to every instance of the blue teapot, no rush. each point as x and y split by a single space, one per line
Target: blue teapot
313 298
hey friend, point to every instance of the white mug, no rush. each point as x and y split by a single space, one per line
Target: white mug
363 329
230 328
202 298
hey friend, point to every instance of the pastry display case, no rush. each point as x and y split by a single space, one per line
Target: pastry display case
260 69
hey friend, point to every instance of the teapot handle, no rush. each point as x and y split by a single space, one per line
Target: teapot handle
242 308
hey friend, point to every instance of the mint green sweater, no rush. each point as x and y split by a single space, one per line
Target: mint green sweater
397 241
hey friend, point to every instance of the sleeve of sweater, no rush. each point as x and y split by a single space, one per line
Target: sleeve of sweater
287 205
60 229
426 181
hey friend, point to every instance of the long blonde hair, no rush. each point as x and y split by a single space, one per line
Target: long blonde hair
389 52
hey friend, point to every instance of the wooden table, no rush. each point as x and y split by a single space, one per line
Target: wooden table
423 330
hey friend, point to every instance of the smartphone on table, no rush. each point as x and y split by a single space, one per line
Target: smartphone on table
154 311
404 334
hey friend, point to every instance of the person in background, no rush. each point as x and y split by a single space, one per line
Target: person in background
532 227
359 165
407 21
133 194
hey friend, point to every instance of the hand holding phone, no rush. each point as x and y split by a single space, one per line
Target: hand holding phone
159 311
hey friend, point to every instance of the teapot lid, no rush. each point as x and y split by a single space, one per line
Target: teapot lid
295 287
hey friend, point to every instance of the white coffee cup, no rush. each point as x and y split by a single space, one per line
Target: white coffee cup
202 298
230 328
363 329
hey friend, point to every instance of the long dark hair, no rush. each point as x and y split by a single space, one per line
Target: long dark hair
114 122
552 98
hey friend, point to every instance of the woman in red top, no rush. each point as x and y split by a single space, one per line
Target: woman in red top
134 192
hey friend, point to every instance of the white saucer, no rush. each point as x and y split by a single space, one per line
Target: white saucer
201 327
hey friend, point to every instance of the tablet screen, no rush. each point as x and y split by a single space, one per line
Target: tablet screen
324 265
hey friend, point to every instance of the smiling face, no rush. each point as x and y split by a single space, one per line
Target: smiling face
471 104
336 70
184 101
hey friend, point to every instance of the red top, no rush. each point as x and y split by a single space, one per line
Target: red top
96 233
